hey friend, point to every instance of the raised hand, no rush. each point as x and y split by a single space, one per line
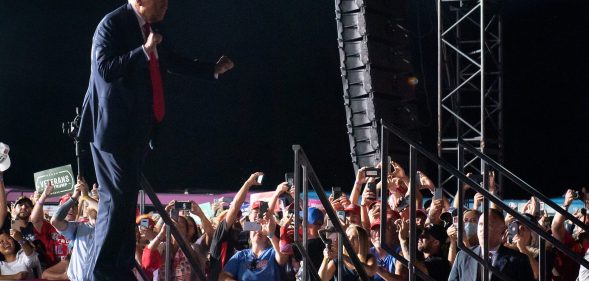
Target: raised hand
403 226
47 191
268 224
360 176
451 231
223 65
253 179
426 182
335 203
83 186
398 171
170 206
195 208
282 188
367 197
569 197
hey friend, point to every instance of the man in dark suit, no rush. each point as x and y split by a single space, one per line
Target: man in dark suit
123 105
511 263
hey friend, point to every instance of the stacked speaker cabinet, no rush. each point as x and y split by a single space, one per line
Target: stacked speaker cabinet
374 41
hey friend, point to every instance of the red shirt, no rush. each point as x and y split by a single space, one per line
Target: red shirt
567 269
48 237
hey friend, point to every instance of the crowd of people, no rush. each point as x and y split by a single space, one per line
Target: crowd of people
258 243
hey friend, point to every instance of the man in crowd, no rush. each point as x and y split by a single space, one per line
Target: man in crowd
227 232
80 234
429 243
36 229
507 261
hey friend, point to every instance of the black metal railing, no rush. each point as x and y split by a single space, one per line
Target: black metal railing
534 192
488 196
303 175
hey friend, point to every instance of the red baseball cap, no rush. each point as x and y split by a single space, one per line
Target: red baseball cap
352 208
255 205
64 198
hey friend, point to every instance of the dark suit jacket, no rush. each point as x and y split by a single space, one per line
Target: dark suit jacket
513 264
117 112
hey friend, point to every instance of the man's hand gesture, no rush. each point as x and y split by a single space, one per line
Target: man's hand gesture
153 39
223 65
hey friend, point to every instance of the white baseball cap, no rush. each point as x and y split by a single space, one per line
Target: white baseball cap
4 158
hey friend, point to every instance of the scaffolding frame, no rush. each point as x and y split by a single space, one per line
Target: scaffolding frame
470 83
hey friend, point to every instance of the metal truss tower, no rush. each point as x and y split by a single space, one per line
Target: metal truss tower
470 82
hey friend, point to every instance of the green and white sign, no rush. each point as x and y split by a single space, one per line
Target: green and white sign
62 178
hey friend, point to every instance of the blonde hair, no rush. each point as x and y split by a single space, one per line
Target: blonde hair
363 241
219 218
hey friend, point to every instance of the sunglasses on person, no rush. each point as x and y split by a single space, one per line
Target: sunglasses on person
253 264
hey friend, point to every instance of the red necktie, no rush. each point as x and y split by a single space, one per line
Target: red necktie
157 88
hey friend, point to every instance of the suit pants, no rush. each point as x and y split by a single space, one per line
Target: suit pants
117 174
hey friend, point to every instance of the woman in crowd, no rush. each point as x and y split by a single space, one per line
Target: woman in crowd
18 259
360 241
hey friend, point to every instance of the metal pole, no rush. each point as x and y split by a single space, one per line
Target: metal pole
486 232
305 221
141 201
542 259
297 198
168 266
440 31
384 190
413 206
499 183
340 256
460 226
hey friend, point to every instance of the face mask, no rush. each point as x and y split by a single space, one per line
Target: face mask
470 229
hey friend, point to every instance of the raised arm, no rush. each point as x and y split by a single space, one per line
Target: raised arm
58 220
240 197
27 248
269 229
357 189
205 222
37 216
281 188
558 230
3 205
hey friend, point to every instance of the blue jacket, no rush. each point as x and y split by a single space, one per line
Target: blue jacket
117 111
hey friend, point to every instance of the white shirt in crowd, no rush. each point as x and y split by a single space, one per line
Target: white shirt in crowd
23 263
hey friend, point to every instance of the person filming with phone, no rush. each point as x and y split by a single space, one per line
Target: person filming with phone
263 261
153 259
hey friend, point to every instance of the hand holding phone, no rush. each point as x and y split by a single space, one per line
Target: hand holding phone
183 205
372 172
438 193
371 186
263 209
144 223
260 179
289 178
251 226
337 192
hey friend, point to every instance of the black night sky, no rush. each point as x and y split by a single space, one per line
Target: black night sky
285 89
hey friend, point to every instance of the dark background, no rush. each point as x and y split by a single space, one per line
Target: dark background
285 89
